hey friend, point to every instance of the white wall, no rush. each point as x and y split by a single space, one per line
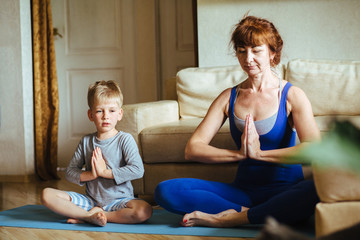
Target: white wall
317 29
16 92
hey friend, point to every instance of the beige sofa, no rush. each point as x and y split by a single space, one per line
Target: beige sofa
339 192
162 128
333 88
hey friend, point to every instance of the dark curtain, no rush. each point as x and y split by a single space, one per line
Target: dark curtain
46 96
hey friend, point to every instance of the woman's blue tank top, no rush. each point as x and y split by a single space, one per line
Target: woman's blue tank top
254 172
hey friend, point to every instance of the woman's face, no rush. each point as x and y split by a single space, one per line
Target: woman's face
254 59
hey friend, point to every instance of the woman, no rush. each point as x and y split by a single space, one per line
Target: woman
263 111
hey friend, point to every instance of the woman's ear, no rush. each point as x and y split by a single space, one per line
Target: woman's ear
90 115
272 57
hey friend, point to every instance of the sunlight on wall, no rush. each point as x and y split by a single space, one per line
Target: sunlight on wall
322 29
16 133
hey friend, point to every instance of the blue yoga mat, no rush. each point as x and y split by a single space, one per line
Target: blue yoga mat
162 222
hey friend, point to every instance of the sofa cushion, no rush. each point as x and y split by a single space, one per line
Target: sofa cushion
166 142
336 185
325 122
331 86
198 87
142 115
333 217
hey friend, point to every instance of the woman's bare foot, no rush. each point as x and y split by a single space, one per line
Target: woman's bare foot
228 218
198 218
226 212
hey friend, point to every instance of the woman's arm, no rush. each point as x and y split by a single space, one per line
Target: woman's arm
304 121
299 106
198 148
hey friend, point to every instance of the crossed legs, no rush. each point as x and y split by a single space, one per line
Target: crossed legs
58 201
287 203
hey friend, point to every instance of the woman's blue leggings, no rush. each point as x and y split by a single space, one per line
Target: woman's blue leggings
288 203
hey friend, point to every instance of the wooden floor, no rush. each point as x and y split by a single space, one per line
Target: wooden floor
19 194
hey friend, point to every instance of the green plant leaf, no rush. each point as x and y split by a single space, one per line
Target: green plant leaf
339 148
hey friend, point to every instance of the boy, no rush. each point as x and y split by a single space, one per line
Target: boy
111 161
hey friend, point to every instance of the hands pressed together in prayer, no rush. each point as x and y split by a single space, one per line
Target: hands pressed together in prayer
98 164
250 143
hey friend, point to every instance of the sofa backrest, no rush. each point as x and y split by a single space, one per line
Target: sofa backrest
198 87
332 86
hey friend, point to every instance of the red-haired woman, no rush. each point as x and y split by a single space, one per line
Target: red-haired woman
265 113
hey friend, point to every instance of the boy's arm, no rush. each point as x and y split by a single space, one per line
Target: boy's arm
134 167
86 176
79 177
74 172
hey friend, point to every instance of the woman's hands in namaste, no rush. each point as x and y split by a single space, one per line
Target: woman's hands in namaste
250 143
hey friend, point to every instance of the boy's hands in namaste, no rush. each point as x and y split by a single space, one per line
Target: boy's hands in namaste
98 163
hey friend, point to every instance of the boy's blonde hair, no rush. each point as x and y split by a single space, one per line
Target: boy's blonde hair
102 91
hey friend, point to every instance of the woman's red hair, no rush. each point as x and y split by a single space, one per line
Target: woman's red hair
254 31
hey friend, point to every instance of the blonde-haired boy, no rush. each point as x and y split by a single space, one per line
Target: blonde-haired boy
111 160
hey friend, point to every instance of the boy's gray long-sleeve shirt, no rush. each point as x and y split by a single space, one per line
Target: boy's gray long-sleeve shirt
122 156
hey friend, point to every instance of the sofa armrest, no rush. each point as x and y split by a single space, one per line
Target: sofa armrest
142 115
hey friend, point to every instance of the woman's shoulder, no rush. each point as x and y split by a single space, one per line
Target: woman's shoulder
222 101
296 97
223 96
226 92
295 93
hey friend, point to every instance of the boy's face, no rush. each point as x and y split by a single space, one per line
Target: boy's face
105 115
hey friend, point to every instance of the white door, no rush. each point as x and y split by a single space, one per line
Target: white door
177 42
96 43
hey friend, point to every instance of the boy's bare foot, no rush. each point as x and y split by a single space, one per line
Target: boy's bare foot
74 221
97 217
